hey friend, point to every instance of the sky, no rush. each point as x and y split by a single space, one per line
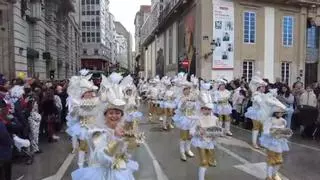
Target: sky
125 11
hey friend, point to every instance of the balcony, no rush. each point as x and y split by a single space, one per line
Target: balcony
149 27
157 20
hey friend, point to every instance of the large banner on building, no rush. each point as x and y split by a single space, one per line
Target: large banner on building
223 34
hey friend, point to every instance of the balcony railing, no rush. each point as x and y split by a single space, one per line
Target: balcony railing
156 18
168 9
150 24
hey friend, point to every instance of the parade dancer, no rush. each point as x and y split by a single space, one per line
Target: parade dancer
274 139
169 104
222 106
83 111
152 96
186 109
204 133
132 115
160 102
109 159
256 112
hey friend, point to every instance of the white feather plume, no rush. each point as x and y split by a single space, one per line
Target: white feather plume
84 72
115 78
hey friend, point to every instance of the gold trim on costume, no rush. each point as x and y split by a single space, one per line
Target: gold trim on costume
225 118
83 146
274 158
257 125
185 135
207 157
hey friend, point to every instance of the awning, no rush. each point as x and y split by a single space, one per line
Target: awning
32 53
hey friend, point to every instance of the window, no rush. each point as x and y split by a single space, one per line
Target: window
170 45
287 31
83 39
313 37
285 72
247 70
249 27
83 2
97 12
96 51
1 18
84 51
83 12
97 1
98 39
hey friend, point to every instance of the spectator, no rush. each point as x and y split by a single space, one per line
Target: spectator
308 98
6 145
297 91
298 81
62 94
286 97
278 84
50 111
308 111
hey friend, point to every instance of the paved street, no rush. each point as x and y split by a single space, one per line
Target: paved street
159 159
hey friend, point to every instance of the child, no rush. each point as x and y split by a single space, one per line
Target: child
204 133
274 139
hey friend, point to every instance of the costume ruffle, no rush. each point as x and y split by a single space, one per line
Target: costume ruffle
273 144
78 131
136 115
222 109
201 143
183 122
254 114
104 173
169 104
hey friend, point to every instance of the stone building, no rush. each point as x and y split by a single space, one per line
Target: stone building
122 32
140 19
40 38
276 37
97 35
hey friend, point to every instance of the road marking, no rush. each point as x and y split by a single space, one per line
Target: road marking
63 168
294 143
255 169
239 143
244 161
21 177
159 172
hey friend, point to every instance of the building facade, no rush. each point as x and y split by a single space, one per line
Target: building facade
97 37
40 38
140 19
277 38
123 34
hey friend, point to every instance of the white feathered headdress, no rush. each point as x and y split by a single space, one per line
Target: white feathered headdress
114 94
205 100
205 85
127 84
166 80
182 81
256 82
78 85
194 80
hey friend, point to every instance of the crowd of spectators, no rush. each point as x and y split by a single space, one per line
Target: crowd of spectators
30 110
